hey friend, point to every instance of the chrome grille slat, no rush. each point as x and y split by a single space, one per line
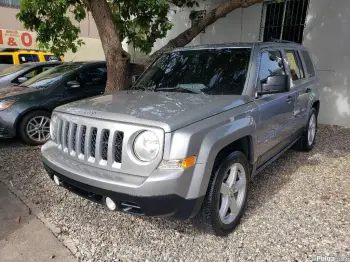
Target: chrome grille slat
91 143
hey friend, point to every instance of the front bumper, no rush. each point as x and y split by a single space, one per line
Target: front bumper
163 193
8 123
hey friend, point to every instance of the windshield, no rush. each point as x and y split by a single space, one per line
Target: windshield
208 71
13 69
49 77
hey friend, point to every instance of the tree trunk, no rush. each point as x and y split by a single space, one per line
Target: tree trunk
188 35
118 60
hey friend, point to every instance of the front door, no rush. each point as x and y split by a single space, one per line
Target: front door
92 82
276 110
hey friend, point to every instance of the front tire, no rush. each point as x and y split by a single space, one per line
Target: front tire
226 197
34 129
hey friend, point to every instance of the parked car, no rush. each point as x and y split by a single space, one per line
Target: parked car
198 125
18 74
10 56
25 110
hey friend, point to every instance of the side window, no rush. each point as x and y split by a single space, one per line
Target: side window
271 65
6 59
51 58
26 58
32 73
308 62
93 76
294 63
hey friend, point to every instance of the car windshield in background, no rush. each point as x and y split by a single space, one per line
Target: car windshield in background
50 76
207 71
13 69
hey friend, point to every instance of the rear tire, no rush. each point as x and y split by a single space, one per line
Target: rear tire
34 128
225 201
307 140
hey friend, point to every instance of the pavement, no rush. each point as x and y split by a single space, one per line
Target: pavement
23 237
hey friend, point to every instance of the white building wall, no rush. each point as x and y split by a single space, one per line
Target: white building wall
327 35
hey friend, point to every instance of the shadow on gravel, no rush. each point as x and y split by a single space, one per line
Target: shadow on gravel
271 180
11 142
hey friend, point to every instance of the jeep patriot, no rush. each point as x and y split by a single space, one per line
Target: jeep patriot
191 133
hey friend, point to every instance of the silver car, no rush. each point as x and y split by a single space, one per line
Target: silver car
196 127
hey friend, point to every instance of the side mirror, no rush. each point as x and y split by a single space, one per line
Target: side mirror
73 84
275 84
22 79
134 78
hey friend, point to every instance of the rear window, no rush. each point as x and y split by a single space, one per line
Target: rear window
51 58
26 58
308 62
6 59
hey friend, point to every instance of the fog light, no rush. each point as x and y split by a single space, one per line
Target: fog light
56 180
110 204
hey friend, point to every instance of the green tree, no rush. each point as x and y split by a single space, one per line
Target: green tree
141 22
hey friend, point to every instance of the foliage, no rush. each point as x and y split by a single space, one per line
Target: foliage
56 22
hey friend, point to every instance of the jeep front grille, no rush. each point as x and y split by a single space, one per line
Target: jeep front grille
93 144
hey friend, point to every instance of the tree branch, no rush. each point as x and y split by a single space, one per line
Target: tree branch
188 35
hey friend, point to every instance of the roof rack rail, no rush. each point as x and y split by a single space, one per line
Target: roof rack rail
19 49
281 41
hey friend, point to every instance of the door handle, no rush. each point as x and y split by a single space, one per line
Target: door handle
289 99
308 90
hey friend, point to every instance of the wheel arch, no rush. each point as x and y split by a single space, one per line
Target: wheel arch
26 112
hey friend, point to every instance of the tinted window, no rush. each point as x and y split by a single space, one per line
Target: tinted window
26 58
308 62
6 59
210 71
51 58
294 63
49 77
93 76
271 65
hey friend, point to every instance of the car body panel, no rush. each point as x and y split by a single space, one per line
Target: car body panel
192 124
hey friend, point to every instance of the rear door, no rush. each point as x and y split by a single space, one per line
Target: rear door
299 87
276 110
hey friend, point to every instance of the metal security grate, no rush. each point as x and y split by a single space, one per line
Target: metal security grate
105 138
10 3
119 136
74 137
284 20
93 141
83 136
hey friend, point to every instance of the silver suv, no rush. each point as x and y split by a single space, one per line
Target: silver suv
192 132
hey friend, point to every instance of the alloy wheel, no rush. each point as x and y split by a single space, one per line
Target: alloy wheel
38 128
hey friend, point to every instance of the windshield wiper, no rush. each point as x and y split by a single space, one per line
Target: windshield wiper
176 88
139 87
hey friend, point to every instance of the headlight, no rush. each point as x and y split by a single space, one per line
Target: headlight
6 104
53 127
146 146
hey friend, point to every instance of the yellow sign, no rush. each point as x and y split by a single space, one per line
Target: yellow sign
17 39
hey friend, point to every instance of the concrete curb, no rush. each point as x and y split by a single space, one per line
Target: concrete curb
65 240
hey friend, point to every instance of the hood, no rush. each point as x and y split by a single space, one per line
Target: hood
12 91
167 110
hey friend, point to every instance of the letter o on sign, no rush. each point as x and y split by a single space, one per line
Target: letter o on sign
26 39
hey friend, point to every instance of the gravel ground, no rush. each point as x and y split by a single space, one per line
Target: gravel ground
298 208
